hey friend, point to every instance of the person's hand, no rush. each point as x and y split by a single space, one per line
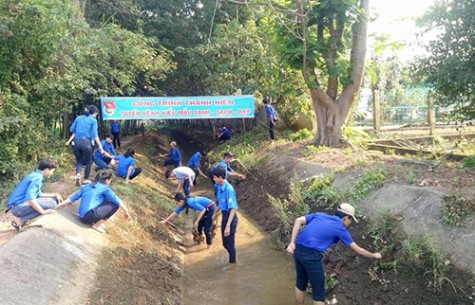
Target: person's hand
163 222
227 231
127 215
112 162
67 143
59 198
291 248
127 181
102 151
243 177
377 255
195 226
49 212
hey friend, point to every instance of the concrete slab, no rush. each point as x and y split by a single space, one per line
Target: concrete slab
53 261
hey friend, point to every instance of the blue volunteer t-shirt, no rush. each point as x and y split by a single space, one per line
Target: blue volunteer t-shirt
271 112
108 147
194 161
93 196
195 203
323 230
225 196
226 132
224 165
115 127
175 155
84 126
28 188
124 164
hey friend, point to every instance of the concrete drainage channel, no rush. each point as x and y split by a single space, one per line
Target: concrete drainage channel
52 262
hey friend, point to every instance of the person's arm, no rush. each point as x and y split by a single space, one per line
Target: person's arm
364 252
57 196
71 138
64 203
180 183
299 222
190 180
200 215
168 218
227 229
216 212
99 145
201 173
233 173
124 208
129 172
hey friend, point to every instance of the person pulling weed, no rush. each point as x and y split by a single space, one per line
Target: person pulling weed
203 222
320 232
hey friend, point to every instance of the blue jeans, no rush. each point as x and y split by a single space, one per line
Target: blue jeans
102 162
186 187
171 162
26 212
206 222
104 211
309 267
83 152
228 241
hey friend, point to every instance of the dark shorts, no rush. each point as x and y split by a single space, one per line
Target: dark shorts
309 268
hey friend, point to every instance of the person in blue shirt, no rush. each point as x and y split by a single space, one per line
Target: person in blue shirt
320 232
114 128
173 157
227 204
126 168
272 117
102 161
224 134
84 129
27 201
204 221
185 177
225 163
98 202
195 163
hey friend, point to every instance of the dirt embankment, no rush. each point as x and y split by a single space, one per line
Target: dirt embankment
409 202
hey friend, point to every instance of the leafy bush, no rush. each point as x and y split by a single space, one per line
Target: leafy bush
320 192
370 179
469 162
302 134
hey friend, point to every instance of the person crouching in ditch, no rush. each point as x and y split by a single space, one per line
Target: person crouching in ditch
320 232
205 206
227 203
98 202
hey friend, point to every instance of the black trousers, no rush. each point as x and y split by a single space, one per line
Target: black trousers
116 139
104 211
271 129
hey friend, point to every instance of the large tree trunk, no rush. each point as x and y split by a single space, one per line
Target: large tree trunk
332 110
80 8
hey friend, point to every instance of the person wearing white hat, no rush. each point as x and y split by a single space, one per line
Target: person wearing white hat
320 232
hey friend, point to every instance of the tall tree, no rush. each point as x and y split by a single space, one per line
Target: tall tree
326 40
450 64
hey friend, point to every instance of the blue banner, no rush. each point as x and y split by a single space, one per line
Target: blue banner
165 108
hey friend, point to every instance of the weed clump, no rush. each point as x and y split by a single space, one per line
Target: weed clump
456 209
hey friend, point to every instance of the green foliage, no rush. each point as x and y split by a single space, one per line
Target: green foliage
280 207
383 233
450 63
369 180
320 191
456 209
312 150
469 162
302 134
423 253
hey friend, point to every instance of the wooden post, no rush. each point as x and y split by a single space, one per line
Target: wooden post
430 112
243 124
376 111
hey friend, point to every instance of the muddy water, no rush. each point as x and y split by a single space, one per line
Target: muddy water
265 275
